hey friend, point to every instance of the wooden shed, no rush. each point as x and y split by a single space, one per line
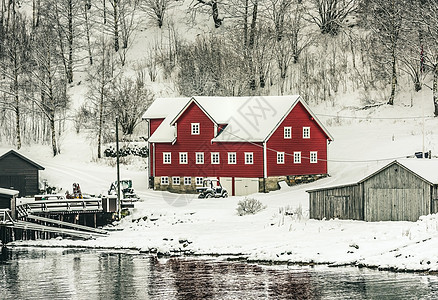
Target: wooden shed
7 199
17 172
400 191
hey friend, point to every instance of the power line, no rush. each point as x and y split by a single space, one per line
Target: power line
374 118
326 160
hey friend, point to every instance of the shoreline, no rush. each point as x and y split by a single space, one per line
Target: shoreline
232 257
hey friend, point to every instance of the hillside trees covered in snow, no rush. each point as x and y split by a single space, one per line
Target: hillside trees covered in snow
320 49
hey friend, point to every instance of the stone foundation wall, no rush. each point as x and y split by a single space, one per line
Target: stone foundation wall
180 188
265 185
271 183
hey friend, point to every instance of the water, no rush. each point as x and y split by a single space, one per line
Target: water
80 274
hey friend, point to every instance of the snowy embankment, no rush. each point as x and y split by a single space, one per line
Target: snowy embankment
171 223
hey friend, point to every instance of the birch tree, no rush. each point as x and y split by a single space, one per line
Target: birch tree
49 78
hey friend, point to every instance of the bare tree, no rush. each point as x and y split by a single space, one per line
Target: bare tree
157 9
14 66
52 98
101 74
387 23
429 44
329 15
208 6
129 99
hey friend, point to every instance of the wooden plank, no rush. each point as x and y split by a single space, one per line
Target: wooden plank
67 224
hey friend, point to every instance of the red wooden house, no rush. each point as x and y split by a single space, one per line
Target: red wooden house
249 143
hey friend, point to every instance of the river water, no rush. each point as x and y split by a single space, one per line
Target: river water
30 273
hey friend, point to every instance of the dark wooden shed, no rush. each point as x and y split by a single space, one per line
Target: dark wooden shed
19 173
400 191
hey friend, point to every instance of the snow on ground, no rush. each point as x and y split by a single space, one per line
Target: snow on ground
167 222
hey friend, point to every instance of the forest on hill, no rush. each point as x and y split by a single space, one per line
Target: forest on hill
320 49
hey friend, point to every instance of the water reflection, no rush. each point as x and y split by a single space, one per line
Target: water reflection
78 274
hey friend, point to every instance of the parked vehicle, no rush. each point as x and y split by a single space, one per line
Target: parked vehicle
127 192
211 188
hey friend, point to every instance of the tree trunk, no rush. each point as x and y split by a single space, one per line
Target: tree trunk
53 133
393 78
435 89
70 42
116 25
87 31
17 104
36 4
215 11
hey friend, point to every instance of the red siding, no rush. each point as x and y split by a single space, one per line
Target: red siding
297 119
186 142
153 125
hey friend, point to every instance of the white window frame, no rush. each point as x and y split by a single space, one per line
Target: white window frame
199 180
232 158
213 160
176 180
164 180
167 158
196 129
249 158
199 158
297 157
287 132
313 157
280 158
306 132
187 180
183 158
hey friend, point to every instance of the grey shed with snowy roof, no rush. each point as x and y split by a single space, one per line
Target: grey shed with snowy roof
403 190
18 172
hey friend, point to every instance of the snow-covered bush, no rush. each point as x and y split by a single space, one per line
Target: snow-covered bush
249 206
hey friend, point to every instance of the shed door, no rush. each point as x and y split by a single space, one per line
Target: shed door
395 204
246 186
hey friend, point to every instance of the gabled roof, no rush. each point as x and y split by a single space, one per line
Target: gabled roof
251 119
161 107
13 152
425 169
8 192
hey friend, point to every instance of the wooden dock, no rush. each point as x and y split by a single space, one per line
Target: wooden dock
44 219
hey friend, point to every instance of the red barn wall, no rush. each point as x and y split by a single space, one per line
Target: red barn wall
153 125
298 118
186 142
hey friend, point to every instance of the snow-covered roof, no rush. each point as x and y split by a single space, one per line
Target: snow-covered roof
249 118
5 153
160 107
166 108
9 192
424 168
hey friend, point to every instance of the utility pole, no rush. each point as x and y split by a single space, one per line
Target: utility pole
119 201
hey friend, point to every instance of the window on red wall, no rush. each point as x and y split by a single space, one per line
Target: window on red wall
313 157
167 158
195 128
199 158
249 158
280 157
183 158
297 157
306 132
232 158
215 158
287 132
